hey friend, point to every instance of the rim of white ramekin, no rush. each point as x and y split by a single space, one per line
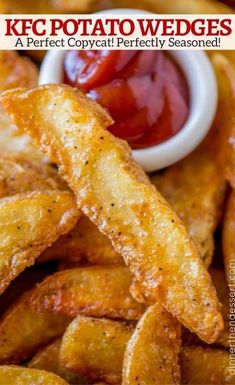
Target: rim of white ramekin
202 84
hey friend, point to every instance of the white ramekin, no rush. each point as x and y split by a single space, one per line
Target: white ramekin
203 102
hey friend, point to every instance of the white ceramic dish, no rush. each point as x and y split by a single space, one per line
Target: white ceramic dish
203 102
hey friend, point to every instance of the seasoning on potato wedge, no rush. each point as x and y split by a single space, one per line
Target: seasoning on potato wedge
152 353
95 347
23 332
97 291
203 365
48 359
18 375
74 5
70 128
29 223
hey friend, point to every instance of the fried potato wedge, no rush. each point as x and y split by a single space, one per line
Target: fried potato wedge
83 243
23 332
95 291
16 71
95 347
198 203
229 239
152 353
116 195
225 118
18 375
48 359
219 279
29 223
202 365
18 175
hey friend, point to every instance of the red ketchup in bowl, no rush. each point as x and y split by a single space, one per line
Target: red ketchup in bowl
144 91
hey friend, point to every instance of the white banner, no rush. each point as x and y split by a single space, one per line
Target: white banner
164 32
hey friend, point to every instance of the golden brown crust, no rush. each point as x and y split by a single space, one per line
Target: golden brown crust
229 239
95 347
98 291
16 375
151 355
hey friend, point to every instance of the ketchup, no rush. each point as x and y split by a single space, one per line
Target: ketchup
144 91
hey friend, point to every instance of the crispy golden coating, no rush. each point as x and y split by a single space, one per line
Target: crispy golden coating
18 175
16 71
95 347
29 223
18 375
196 192
151 355
222 289
229 239
97 291
201 365
83 243
23 332
13 142
48 359
70 128
225 118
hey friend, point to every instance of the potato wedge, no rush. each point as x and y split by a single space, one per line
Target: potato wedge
229 239
83 243
23 332
29 7
202 365
130 211
48 359
198 203
152 353
95 347
18 175
219 279
95 291
18 375
225 118
29 223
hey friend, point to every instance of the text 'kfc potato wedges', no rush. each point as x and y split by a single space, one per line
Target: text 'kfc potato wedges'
95 291
113 191
48 359
95 347
29 223
22 331
18 375
151 356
